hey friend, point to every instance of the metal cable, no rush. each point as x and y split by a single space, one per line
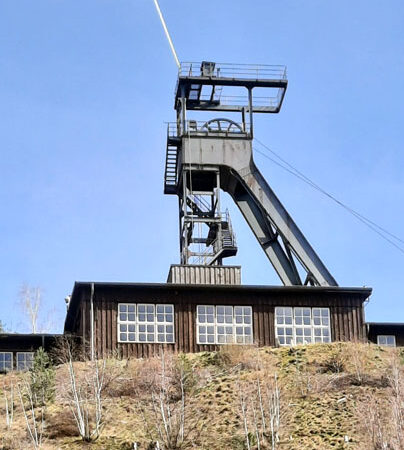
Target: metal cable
382 232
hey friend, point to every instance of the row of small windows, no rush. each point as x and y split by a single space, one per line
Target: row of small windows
386 340
222 324
24 361
295 326
146 323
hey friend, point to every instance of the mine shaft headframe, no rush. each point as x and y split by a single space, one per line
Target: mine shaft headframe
209 86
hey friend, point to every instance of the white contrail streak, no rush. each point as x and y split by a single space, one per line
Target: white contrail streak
167 33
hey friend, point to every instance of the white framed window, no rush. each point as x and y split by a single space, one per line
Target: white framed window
302 325
6 361
25 360
223 324
145 323
387 340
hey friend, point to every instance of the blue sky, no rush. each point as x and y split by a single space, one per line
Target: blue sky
85 89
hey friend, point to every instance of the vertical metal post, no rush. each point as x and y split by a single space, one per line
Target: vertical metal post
243 119
180 220
183 110
184 217
92 350
219 209
250 107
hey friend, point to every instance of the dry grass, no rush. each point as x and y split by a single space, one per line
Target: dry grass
342 395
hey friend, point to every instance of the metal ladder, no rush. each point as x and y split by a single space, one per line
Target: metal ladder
170 174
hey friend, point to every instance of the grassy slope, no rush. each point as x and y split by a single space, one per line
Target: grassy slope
326 394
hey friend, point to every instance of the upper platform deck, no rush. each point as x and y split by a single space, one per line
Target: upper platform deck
210 86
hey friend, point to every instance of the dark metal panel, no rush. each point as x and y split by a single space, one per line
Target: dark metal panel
104 330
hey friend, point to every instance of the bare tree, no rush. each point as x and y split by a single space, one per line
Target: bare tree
9 405
167 409
85 395
34 417
30 303
261 413
383 419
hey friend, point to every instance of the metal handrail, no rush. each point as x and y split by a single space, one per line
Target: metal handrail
229 70
195 127
242 100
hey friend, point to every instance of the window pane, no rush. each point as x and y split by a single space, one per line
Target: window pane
144 321
221 320
303 324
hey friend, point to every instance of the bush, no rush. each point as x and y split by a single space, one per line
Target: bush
42 379
335 363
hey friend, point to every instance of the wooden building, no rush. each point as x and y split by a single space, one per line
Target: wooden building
17 350
137 320
388 334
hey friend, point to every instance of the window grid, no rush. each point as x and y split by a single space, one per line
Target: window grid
25 360
387 340
145 323
301 325
6 361
223 324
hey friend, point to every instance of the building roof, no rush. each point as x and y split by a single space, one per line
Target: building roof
82 286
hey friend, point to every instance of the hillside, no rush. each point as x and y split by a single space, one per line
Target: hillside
309 397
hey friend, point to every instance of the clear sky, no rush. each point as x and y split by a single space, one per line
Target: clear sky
85 89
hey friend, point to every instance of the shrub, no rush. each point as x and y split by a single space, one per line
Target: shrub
42 379
335 363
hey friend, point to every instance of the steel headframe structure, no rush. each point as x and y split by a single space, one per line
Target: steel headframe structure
206 157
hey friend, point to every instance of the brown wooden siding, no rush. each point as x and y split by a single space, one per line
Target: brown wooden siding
345 312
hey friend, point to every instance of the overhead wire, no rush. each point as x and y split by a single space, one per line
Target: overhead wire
382 232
